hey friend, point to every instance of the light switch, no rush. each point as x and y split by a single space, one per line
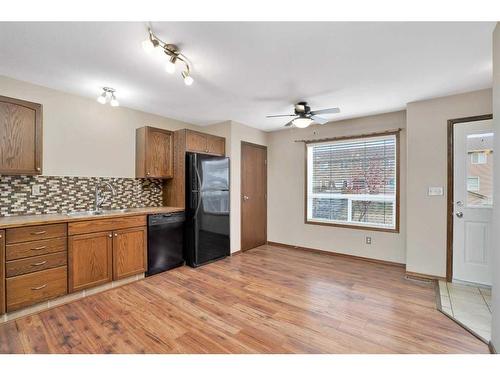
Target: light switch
435 190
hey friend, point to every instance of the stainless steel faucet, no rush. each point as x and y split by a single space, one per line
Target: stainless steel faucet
99 198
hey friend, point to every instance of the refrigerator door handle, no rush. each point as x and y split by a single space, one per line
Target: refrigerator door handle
198 178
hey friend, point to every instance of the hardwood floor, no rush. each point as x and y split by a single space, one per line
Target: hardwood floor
266 300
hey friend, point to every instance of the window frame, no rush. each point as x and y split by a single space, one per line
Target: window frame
363 226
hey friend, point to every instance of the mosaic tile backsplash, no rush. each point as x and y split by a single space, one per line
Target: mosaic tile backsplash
66 194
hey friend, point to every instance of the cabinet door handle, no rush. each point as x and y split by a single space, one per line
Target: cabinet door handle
38 169
110 235
38 264
116 234
39 287
39 232
39 248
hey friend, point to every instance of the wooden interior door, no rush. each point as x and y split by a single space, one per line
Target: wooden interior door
2 272
129 252
253 195
89 260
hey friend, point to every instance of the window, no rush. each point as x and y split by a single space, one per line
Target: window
478 158
473 183
353 182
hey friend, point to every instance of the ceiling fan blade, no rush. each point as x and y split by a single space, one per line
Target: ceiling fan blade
319 120
324 111
280 116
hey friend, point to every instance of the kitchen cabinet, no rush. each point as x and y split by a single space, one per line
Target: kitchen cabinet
2 272
89 260
26 290
35 267
20 137
186 140
129 252
204 143
154 153
100 251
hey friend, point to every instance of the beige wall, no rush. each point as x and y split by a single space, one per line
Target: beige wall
495 334
82 137
235 133
286 174
427 166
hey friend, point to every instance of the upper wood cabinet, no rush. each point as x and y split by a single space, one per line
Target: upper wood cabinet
188 141
89 260
2 272
205 143
129 252
20 137
154 153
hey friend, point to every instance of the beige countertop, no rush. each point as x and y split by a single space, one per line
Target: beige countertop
26 220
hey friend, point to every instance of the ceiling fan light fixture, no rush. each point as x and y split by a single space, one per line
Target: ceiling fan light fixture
302 122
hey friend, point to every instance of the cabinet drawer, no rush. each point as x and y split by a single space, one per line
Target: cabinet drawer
35 287
34 264
35 248
103 225
33 233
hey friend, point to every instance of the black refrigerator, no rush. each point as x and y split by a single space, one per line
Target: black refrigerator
207 209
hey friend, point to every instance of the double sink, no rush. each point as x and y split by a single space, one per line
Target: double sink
98 212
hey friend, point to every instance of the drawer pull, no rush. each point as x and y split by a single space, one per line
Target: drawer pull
38 264
39 287
39 232
39 248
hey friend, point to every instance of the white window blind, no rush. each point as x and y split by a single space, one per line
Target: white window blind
353 182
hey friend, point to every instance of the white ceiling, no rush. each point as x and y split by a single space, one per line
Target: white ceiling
244 71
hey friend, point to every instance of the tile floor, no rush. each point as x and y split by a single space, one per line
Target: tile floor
468 304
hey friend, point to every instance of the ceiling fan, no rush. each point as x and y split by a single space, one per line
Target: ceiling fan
305 117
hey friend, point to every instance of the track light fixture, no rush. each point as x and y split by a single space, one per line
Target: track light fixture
108 95
156 47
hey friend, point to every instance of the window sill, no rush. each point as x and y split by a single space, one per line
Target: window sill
350 226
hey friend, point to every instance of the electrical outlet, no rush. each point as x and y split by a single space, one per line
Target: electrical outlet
35 190
368 240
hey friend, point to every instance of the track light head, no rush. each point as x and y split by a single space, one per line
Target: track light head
188 80
108 94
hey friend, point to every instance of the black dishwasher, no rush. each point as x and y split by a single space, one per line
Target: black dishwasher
165 242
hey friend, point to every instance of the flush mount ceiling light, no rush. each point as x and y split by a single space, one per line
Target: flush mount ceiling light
170 52
108 95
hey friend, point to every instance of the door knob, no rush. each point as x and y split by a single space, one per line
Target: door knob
460 214
245 198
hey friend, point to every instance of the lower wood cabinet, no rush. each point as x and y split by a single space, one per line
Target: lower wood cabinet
2 272
98 258
129 252
35 287
89 260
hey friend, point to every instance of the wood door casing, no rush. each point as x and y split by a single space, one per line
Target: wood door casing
20 137
253 186
129 252
89 260
2 271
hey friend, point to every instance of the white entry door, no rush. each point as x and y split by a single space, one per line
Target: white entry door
473 201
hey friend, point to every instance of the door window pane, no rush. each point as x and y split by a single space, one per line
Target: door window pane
480 170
